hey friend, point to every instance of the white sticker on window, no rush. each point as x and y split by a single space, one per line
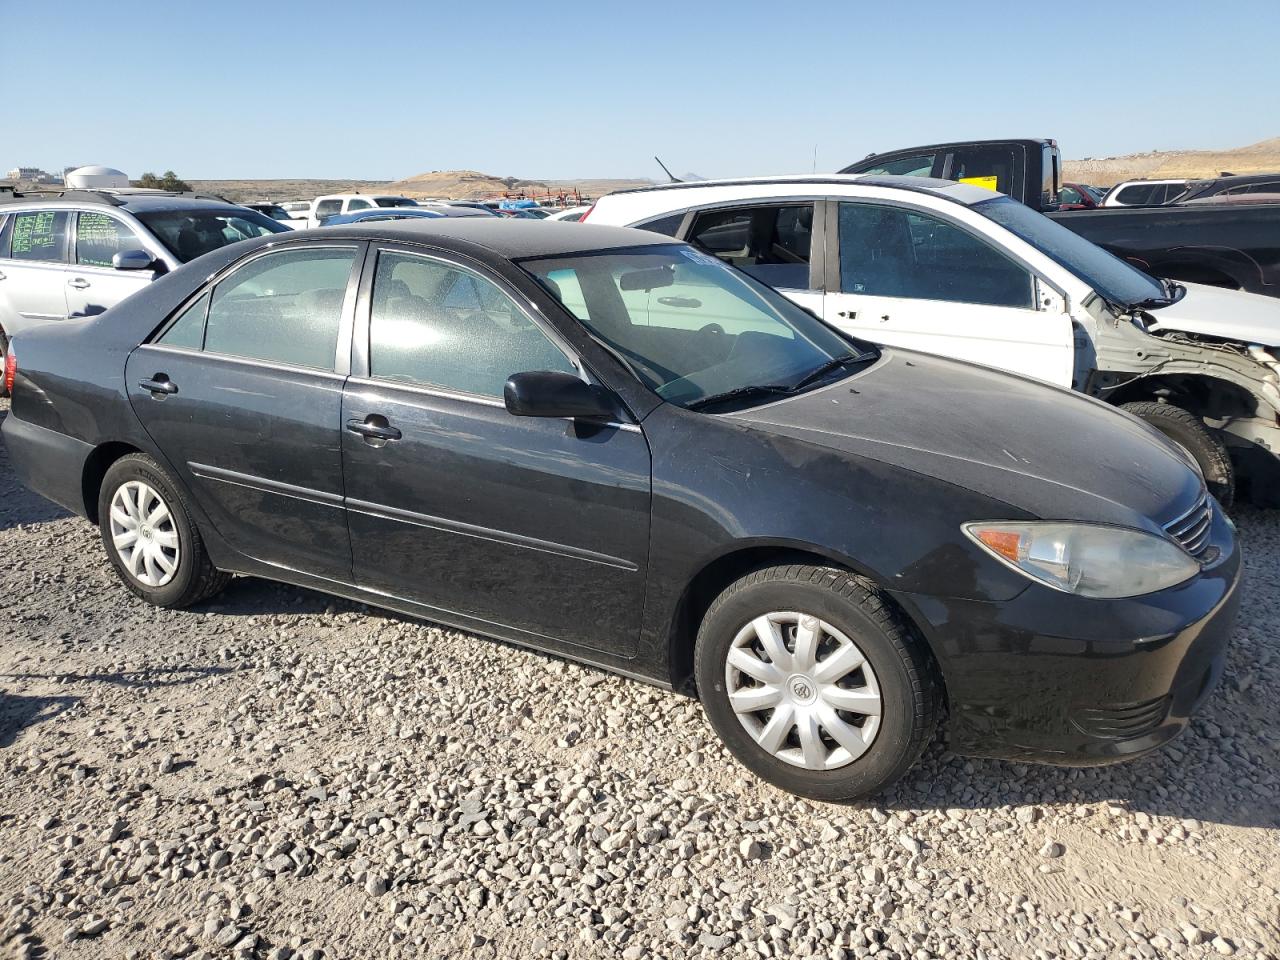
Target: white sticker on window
697 256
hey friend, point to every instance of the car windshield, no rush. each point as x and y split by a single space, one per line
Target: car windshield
188 234
694 330
394 202
1110 277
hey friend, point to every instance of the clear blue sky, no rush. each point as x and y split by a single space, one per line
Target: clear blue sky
387 89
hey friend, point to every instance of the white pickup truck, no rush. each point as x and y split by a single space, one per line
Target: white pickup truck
958 270
322 208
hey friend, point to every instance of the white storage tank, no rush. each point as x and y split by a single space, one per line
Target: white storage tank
95 177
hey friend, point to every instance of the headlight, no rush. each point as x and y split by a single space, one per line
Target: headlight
1088 560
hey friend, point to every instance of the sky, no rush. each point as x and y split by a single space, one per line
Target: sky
387 89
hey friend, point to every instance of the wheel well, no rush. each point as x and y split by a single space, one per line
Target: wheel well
711 581
95 468
1207 397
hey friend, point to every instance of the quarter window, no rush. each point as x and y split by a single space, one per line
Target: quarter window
40 235
667 226
439 325
921 166
358 205
284 307
328 208
893 252
770 243
100 237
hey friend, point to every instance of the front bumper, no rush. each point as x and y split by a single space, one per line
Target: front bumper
1056 678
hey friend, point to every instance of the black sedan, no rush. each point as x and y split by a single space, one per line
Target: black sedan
606 444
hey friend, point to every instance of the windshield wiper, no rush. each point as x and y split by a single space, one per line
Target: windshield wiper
737 393
833 364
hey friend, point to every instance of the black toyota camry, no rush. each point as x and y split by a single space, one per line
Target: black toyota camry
606 444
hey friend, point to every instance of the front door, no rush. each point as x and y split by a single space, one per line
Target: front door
33 268
533 524
242 393
910 278
94 285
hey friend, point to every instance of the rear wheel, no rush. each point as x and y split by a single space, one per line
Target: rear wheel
1202 444
150 538
814 683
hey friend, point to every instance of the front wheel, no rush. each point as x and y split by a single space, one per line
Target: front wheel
1203 445
150 538
814 683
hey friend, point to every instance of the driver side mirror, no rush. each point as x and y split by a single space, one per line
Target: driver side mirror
558 395
133 260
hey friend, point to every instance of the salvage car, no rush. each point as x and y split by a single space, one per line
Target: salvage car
958 270
610 445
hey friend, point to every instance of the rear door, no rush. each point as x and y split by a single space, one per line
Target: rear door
912 278
242 392
94 285
34 248
535 524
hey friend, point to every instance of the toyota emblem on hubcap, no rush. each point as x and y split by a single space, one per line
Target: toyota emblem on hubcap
801 689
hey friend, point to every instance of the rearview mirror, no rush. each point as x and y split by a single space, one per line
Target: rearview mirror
132 260
648 279
548 394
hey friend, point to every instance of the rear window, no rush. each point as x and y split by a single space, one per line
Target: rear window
394 202
188 234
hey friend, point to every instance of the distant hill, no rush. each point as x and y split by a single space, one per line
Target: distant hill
243 191
1263 157
451 184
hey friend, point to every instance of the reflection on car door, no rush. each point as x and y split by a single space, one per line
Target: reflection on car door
242 392
33 268
459 506
913 279
94 285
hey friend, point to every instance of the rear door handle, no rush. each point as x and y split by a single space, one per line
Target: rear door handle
1 276
848 314
374 428
159 384
79 283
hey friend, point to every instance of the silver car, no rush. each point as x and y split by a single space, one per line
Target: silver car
78 253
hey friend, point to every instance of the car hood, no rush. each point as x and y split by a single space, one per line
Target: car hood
1050 452
1228 314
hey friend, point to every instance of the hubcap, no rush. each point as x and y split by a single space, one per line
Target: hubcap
803 690
143 534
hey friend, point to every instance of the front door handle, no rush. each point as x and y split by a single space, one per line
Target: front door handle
160 386
884 318
375 429
80 283
1 275
848 314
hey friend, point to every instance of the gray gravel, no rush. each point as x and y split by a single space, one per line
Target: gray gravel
283 775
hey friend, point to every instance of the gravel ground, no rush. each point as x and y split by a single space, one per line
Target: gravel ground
280 774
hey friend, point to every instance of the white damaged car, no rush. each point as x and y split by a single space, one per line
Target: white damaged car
957 270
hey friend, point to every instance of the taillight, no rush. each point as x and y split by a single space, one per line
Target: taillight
583 218
10 370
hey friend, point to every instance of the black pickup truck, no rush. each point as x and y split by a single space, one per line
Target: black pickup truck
1225 245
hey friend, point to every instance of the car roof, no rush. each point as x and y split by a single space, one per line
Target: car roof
964 193
513 239
132 202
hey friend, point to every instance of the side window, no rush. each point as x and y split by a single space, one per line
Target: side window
6 232
328 208
358 205
1136 195
439 325
989 167
668 226
921 166
283 307
770 243
1069 195
40 235
100 237
187 329
893 252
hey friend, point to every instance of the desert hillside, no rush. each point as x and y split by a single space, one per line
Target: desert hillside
1263 157
452 184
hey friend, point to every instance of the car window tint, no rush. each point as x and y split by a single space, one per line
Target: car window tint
100 237
667 226
920 166
1070 195
40 235
438 325
328 208
187 329
6 231
359 205
770 243
892 252
990 167
1136 194
283 307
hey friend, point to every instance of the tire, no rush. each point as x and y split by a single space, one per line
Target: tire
1189 432
845 610
180 573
